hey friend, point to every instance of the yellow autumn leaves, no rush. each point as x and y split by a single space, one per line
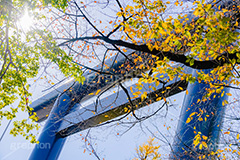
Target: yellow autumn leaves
200 141
148 151
200 116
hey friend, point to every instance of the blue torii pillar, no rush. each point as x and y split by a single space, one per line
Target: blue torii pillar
50 143
208 129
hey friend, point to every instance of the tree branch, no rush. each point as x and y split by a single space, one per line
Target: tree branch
219 61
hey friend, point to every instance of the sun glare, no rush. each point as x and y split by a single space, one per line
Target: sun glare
26 21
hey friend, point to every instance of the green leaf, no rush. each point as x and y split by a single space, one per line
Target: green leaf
191 62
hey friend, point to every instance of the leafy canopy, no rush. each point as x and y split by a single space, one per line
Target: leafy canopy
21 55
209 36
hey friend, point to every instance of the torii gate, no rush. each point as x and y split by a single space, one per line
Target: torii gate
66 116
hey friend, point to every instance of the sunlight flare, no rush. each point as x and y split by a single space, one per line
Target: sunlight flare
26 21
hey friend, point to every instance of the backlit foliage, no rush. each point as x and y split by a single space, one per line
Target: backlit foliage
21 56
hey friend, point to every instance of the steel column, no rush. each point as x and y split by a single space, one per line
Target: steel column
50 143
206 118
